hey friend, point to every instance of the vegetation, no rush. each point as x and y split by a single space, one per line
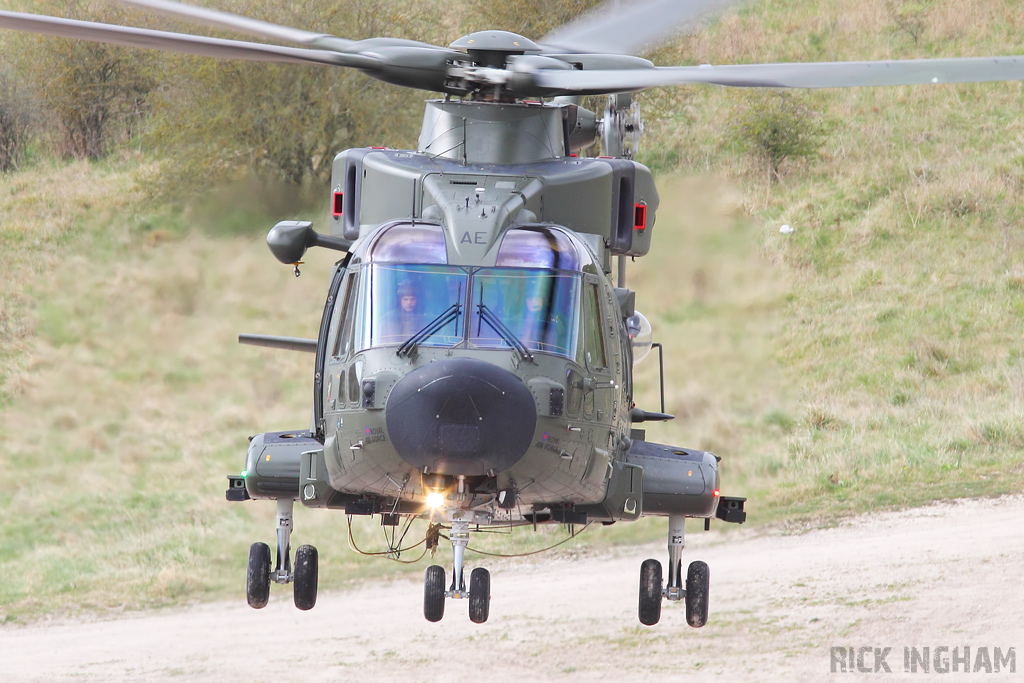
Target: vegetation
871 358
773 126
15 122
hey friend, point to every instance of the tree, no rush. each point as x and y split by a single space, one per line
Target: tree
215 118
93 94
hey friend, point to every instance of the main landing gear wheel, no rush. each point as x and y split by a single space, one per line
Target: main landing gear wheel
257 580
479 595
650 592
433 593
697 589
306 575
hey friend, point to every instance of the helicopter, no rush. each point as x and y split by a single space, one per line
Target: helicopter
474 363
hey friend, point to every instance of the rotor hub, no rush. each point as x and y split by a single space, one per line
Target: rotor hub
493 48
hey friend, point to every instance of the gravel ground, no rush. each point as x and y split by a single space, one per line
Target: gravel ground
947 575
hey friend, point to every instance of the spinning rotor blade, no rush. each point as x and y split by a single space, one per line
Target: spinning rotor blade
796 75
408 63
612 29
234 22
176 42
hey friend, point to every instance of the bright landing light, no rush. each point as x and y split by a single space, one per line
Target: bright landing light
435 500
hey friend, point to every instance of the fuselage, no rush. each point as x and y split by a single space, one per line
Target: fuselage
511 373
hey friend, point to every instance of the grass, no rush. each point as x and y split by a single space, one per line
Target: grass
872 358
881 364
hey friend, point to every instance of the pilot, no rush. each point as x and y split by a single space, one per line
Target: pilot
535 306
542 325
410 315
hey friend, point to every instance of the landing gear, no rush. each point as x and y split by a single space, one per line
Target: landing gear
695 593
260 575
257 580
650 593
306 560
433 593
479 593
697 585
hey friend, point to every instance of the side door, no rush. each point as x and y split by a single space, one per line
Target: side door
328 334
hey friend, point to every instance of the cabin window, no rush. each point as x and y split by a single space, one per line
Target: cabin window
342 324
596 353
355 374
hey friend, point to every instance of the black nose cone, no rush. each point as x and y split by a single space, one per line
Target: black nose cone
461 416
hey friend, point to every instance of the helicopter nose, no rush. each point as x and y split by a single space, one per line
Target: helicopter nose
461 416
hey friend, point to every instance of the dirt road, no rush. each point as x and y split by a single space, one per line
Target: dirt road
948 575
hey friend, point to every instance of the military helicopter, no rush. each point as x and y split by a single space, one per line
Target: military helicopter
474 360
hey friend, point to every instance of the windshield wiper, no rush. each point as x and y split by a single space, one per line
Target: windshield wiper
492 320
450 314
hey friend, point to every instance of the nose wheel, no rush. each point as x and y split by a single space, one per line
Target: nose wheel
695 593
304 576
257 579
479 593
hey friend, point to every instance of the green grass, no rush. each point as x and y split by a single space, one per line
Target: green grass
870 359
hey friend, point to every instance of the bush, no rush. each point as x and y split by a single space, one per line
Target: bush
15 121
774 126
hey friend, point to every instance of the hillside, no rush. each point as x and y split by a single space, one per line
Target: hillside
871 358
899 336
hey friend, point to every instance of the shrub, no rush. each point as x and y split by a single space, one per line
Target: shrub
774 126
15 121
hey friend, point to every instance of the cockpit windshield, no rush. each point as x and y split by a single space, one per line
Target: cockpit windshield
537 306
530 300
401 300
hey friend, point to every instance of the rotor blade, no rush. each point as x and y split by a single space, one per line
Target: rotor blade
612 28
809 75
177 42
275 342
234 22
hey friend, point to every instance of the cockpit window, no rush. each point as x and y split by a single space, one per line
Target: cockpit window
410 243
531 299
537 306
538 247
400 301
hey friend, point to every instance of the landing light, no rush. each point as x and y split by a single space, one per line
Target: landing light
435 500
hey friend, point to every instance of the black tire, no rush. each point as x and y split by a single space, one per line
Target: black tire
650 593
306 576
697 589
479 595
257 580
433 593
